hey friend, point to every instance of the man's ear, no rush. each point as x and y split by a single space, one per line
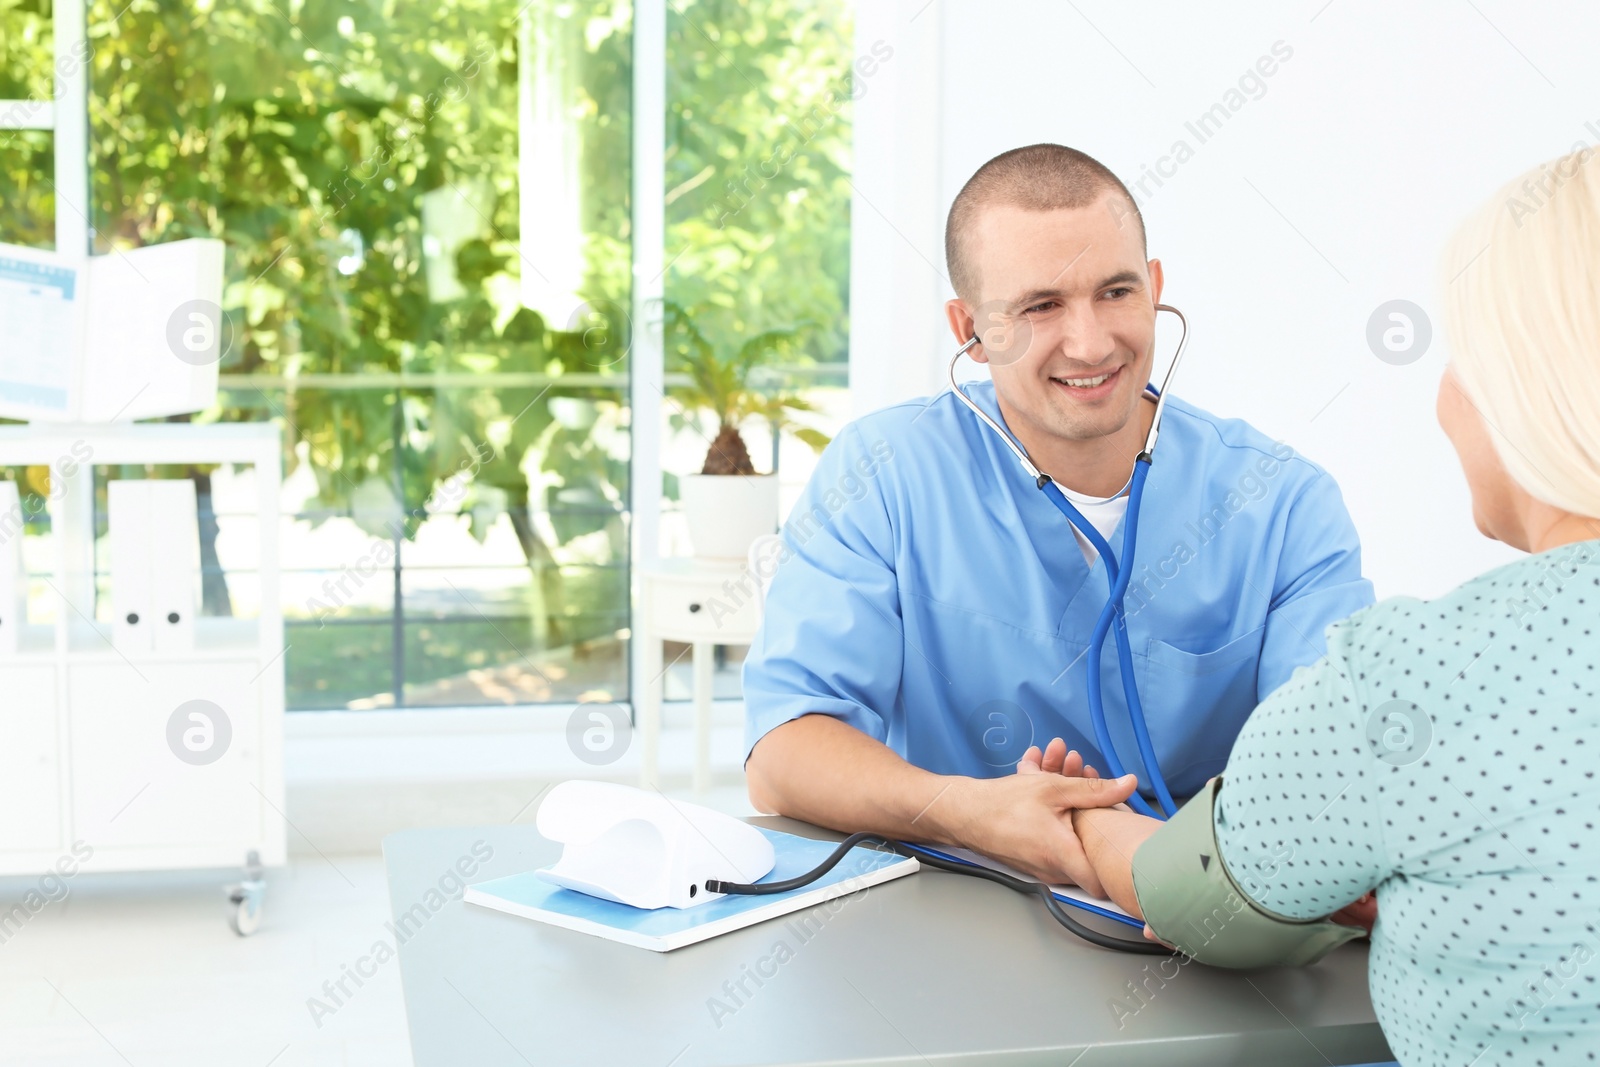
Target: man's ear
1156 281
964 328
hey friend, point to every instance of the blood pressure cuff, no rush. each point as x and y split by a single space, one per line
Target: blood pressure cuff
1192 902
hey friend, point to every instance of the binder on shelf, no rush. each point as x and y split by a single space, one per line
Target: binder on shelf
175 563
155 563
131 534
13 578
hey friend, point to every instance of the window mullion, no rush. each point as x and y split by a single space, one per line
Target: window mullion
645 358
71 121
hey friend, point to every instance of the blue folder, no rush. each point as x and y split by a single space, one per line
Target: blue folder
664 929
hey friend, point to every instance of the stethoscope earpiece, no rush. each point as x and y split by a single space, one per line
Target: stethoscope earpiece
1022 454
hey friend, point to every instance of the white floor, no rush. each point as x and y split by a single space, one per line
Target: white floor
137 970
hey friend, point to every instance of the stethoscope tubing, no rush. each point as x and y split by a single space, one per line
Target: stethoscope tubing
1112 619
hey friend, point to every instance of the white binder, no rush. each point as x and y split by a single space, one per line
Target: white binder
155 564
131 535
175 564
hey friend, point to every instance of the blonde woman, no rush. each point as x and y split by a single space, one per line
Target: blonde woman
1444 754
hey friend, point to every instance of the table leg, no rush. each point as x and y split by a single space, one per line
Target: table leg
704 659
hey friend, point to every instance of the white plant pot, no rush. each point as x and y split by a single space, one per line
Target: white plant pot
726 512
574 412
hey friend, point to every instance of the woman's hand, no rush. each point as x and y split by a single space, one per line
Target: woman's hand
1362 913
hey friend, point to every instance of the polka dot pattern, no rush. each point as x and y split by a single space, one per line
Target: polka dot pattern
1444 755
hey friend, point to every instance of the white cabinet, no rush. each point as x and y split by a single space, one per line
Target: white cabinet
165 754
160 754
30 787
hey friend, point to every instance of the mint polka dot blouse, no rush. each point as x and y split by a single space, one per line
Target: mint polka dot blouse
1444 754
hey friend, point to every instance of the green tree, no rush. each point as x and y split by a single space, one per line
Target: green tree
310 137
27 157
758 168
306 139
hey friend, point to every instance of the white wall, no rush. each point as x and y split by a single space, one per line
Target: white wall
1328 195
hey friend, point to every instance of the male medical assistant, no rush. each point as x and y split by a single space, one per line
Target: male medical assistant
933 598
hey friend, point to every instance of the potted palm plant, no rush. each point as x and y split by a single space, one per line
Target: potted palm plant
728 504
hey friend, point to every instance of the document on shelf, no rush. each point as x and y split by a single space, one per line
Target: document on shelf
41 328
132 334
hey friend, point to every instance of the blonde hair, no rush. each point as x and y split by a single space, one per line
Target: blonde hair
1521 281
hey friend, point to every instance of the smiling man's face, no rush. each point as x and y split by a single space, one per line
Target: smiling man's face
1066 317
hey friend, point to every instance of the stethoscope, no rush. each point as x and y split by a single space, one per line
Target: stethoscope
1118 575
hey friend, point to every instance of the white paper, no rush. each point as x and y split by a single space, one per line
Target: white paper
1071 891
147 305
41 332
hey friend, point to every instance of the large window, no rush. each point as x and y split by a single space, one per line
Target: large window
428 217
758 210
757 203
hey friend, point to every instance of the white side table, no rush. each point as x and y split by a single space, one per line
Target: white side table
705 602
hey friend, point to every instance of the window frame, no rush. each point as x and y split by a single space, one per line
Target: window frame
66 116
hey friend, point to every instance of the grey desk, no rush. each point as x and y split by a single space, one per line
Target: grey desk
933 968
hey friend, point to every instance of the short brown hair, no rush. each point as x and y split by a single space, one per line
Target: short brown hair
1039 177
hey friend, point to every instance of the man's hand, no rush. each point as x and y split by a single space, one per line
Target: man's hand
824 771
1057 759
1025 821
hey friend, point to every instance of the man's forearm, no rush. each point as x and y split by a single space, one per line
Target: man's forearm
824 771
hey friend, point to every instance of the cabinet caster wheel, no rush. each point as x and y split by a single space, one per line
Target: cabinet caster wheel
246 898
245 916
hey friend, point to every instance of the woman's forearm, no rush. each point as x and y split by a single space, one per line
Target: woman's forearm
1110 838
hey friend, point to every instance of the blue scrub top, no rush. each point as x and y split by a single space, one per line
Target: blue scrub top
932 597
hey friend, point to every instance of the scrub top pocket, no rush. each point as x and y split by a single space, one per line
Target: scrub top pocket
1196 703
